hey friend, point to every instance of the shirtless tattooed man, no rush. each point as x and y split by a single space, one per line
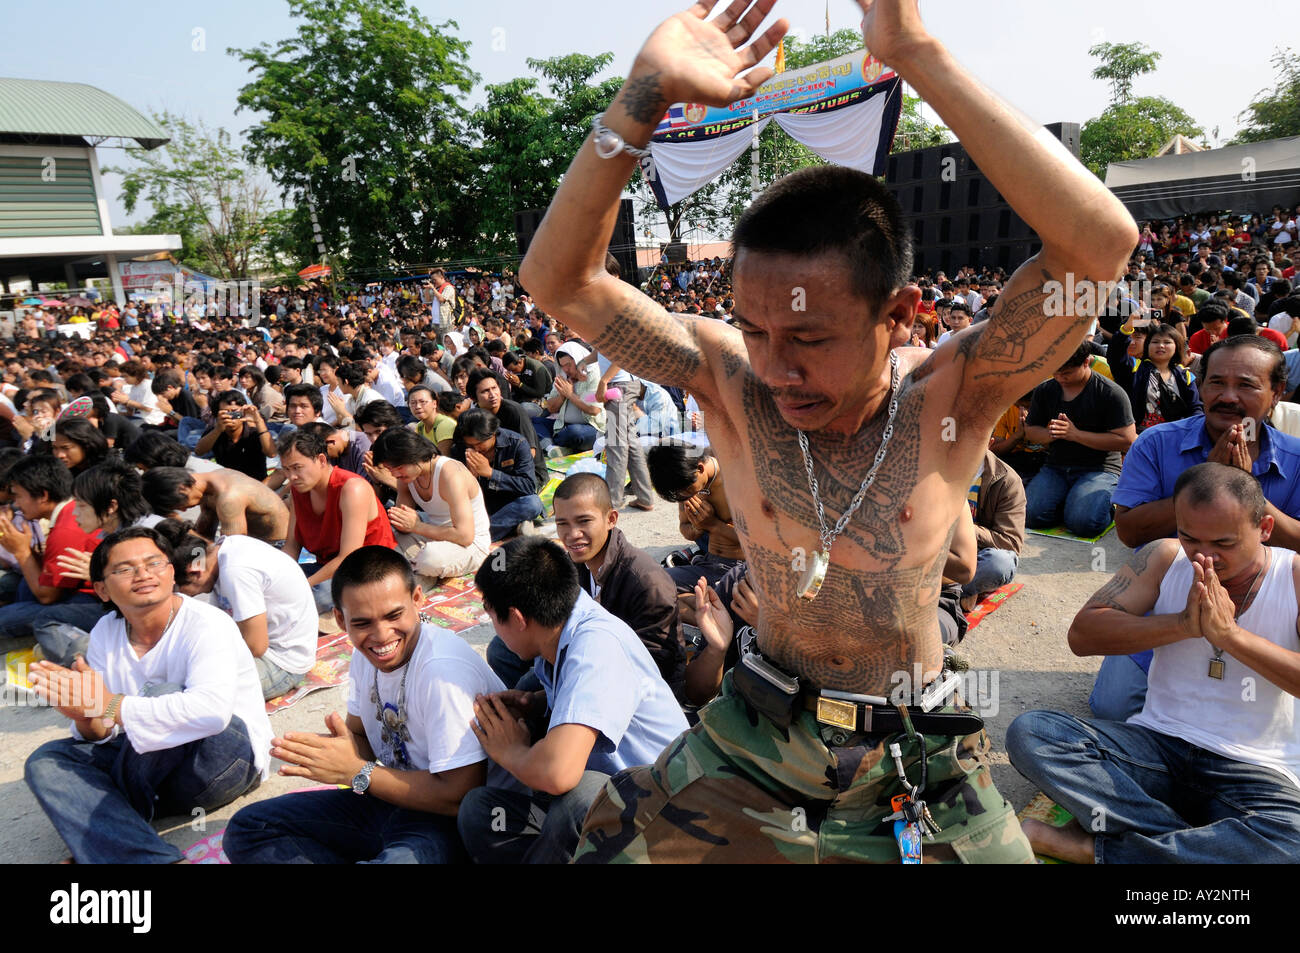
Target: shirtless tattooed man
779 770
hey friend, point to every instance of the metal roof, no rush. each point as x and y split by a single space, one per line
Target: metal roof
34 107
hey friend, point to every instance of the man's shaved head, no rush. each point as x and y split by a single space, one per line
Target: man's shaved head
586 485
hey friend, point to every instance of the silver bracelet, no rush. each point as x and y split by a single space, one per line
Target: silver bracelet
608 143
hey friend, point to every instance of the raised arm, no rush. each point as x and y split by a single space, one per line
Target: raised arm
687 59
1085 231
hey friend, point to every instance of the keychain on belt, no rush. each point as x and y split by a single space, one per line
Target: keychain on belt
911 815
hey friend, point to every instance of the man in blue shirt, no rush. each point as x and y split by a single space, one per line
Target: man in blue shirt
1242 379
503 464
603 701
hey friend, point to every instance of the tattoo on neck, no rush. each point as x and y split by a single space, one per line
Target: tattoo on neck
643 99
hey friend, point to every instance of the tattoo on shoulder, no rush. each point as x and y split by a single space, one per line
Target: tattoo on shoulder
732 359
1142 557
1012 329
969 342
1108 595
643 98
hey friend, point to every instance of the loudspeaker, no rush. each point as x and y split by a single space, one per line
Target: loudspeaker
676 253
526 225
622 243
956 215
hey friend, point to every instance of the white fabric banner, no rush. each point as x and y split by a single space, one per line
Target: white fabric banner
683 168
852 135
848 136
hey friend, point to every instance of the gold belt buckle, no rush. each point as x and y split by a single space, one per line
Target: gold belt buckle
841 714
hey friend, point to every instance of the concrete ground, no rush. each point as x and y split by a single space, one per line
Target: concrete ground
1019 654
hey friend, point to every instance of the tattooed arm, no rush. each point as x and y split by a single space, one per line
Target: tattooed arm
687 59
1114 620
1085 231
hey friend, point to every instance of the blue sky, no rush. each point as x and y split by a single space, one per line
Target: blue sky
172 55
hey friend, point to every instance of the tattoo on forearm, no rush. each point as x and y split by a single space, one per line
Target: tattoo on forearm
643 338
643 99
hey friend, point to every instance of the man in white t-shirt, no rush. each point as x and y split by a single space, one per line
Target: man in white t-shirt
1209 770
406 748
265 593
167 715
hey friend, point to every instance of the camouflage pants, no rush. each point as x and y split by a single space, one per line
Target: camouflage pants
735 789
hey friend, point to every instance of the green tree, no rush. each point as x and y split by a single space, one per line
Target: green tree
1132 130
1275 113
913 131
363 112
1129 128
1120 62
199 187
527 136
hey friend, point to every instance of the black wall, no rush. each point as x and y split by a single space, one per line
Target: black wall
960 219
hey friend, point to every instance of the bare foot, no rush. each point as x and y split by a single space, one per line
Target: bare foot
1070 843
637 505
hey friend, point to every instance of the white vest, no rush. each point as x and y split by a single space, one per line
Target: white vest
1244 716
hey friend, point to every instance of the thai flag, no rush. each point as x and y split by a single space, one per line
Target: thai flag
675 118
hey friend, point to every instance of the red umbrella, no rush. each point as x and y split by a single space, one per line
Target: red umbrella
312 272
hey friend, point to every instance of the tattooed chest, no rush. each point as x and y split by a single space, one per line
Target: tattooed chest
776 499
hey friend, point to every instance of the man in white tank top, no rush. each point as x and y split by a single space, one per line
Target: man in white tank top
440 521
1209 770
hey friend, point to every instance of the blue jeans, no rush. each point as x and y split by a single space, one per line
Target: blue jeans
545 426
1120 690
275 680
1081 492
711 567
576 437
504 520
101 798
993 568
1154 798
22 619
339 827
321 591
539 828
189 431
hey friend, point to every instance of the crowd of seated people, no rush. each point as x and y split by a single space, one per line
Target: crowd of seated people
193 496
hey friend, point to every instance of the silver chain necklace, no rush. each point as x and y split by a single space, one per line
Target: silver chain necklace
1217 665
815 574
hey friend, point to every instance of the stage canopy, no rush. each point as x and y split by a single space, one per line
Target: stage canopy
845 110
1243 179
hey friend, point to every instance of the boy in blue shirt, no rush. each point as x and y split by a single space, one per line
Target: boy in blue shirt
604 702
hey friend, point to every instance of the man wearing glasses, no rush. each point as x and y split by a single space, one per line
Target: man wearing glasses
166 710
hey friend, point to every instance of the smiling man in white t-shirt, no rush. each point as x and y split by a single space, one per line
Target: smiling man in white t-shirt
167 715
406 748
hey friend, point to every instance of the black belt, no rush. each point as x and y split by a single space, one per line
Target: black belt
778 695
873 719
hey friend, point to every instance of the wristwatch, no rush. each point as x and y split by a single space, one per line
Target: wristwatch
110 711
608 143
361 782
